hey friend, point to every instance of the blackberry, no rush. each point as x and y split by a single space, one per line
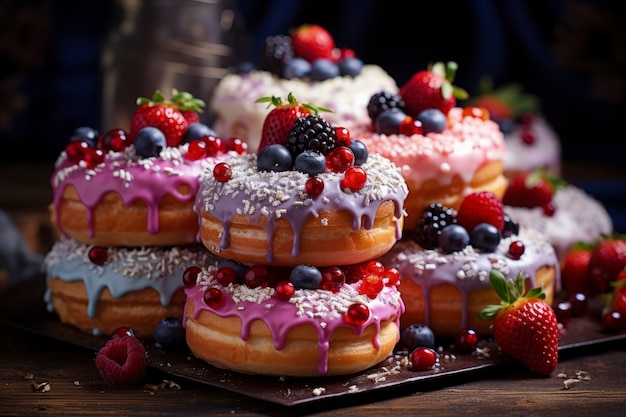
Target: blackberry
382 101
275 53
430 224
311 133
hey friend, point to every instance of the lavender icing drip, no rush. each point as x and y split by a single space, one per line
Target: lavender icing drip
133 178
279 195
324 310
468 270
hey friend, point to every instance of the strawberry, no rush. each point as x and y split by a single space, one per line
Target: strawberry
281 119
574 268
432 88
172 117
525 326
312 42
534 189
607 260
480 207
498 109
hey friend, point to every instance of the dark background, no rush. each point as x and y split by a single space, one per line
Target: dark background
571 54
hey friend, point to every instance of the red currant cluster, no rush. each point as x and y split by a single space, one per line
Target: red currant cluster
210 146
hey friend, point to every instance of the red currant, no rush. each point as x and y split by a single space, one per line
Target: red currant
213 145
371 285
579 304
226 276
354 273
478 112
256 276
340 159
391 276
333 279
93 157
423 359
374 267
563 311
343 136
527 137
76 150
222 172
213 297
237 145
548 209
314 186
410 126
122 332
516 249
613 321
466 340
197 150
285 290
354 179
357 314
115 140
98 255
190 276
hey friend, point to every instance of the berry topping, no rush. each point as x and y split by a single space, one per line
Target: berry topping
277 50
275 157
323 69
340 159
86 134
485 237
284 290
222 171
169 333
333 279
607 260
357 314
534 189
226 275
190 276
371 285
122 361
432 120
481 207
314 186
360 152
312 42
465 340
423 359
305 277
417 335
453 238
310 162
213 297
115 140
257 276
432 88
516 249
98 255
311 133
389 122
122 332
381 101
149 142
355 178
431 222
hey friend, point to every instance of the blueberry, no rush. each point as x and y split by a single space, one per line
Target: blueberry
417 335
507 126
485 236
453 238
511 227
196 131
305 277
311 163
350 66
149 142
275 158
433 120
88 134
388 122
324 69
169 333
297 68
360 152
244 67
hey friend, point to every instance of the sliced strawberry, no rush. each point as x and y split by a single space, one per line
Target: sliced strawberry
432 89
281 119
172 117
312 42
525 327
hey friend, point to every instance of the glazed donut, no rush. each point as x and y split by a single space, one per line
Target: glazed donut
261 217
313 333
447 291
577 217
127 200
444 167
120 287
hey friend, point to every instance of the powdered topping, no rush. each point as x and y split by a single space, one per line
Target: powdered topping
125 270
324 310
465 146
277 195
577 217
133 178
468 269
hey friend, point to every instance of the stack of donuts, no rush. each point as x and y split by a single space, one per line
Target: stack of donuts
123 206
298 289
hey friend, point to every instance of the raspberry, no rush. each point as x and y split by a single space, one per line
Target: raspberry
122 361
481 207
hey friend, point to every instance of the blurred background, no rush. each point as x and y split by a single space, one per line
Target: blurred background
70 63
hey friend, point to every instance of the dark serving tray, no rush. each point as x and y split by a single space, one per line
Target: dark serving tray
25 309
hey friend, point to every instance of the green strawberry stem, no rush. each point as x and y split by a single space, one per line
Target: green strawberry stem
181 100
542 173
291 99
448 72
509 292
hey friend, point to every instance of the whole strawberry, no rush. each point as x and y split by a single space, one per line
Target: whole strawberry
282 117
574 268
525 326
607 261
432 89
172 117
534 189
480 207
312 42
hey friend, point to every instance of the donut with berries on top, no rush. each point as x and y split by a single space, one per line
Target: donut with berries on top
300 321
318 197
137 188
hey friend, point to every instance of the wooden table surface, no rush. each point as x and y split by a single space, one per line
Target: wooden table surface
40 376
